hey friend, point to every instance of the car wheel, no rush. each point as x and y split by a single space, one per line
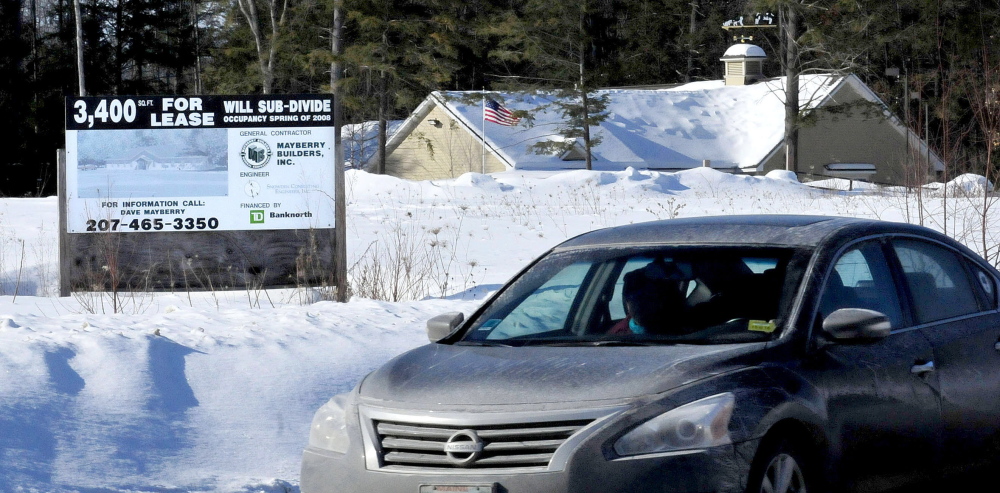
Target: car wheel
780 468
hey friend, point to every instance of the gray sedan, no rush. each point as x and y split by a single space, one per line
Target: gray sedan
728 354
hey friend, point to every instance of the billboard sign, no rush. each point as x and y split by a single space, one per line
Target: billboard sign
199 163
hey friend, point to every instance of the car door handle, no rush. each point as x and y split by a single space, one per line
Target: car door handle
997 346
920 369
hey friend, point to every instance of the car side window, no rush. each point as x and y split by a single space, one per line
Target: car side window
938 283
984 284
861 279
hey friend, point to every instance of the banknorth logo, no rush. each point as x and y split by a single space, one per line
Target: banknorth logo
256 153
256 217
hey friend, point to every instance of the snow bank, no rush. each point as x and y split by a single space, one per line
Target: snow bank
483 182
190 400
215 391
969 184
780 174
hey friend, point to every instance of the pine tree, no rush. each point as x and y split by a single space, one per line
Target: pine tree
567 51
670 41
13 95
153 43
398 51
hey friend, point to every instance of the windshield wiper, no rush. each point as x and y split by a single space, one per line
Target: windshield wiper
483 343
592 343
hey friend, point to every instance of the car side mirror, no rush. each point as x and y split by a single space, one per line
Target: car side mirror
440 326
856 325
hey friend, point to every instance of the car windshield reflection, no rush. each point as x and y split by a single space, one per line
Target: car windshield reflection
603 297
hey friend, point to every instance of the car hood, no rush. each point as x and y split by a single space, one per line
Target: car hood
439 374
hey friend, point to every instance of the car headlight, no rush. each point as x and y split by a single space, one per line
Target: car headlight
329 425
701 424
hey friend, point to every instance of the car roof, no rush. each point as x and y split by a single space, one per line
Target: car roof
762 229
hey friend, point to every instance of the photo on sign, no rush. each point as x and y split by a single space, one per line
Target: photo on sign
152 163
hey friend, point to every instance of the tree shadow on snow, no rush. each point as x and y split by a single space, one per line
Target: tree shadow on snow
27 440
148 443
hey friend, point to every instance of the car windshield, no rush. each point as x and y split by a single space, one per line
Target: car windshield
677 295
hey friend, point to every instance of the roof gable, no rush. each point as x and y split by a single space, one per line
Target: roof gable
851 87
675 128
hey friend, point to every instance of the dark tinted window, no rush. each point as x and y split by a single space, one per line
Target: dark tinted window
861 279
938 283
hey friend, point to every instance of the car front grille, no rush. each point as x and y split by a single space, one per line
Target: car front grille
505 446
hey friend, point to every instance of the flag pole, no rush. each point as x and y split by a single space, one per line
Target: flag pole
484 129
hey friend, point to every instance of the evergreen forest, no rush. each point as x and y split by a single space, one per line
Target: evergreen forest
935 62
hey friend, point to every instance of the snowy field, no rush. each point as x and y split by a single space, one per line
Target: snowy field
215 391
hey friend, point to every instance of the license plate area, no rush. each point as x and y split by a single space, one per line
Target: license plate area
458 488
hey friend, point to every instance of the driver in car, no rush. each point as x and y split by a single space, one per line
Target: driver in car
653 296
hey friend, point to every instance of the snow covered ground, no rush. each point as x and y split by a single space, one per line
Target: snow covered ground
215 391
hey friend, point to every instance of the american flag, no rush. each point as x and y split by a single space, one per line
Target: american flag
496 113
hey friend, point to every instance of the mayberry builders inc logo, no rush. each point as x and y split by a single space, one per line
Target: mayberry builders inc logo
256 153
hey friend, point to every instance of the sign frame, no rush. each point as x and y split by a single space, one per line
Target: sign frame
248 245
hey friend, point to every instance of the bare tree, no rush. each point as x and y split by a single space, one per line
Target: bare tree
806 47
790 24
984 102
79 48
340 207
197 47
689 45
266 42
954 133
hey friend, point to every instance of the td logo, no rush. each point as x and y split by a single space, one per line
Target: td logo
256 217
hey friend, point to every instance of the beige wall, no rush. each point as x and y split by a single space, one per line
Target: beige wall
430 152
862 135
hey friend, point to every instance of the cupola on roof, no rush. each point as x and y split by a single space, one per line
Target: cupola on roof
744 50
743 64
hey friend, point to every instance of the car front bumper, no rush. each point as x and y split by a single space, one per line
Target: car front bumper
719 469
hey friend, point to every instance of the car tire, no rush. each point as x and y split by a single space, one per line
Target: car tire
781 466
